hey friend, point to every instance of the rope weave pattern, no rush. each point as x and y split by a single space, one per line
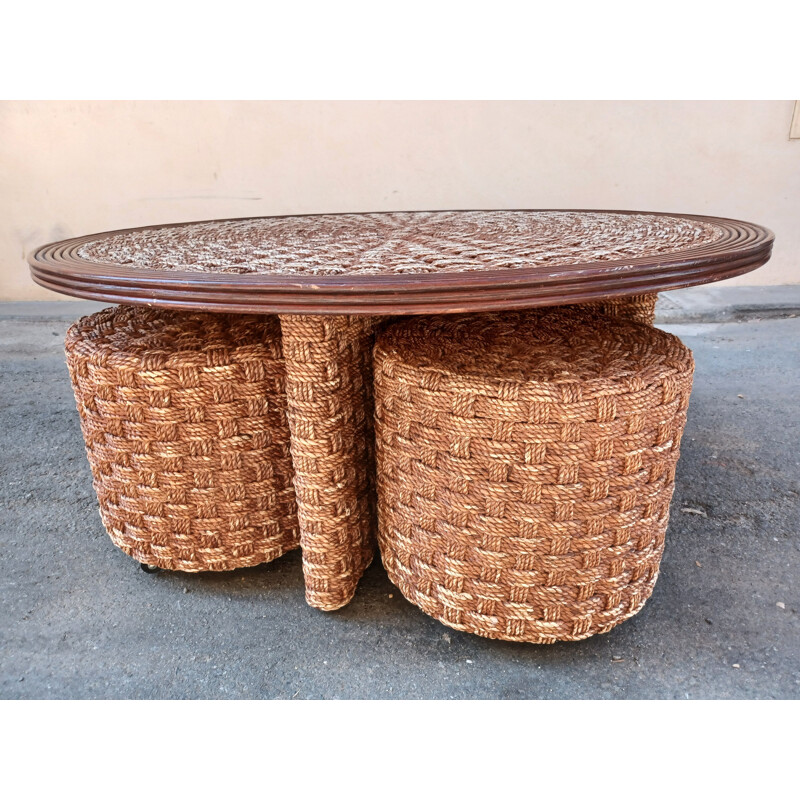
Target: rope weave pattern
525 466
184 419
401 242
329 390
637 308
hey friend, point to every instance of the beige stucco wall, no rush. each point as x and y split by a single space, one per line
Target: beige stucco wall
71 168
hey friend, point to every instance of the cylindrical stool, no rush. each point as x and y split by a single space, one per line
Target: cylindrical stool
184 418
525 466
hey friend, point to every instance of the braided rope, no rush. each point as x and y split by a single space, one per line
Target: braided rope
329 390
637 308
184 419
525 467
401 242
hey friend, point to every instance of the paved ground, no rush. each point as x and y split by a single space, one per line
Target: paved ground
78 619
722 303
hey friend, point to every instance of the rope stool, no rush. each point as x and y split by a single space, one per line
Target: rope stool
184 419
637 308
525 466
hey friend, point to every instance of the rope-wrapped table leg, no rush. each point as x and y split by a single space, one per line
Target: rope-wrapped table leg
329 393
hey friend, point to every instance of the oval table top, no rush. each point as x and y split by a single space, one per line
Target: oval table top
421 262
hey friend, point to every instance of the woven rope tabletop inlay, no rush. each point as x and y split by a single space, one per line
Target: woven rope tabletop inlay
401 242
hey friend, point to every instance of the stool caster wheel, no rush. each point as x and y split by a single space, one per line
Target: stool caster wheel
149 569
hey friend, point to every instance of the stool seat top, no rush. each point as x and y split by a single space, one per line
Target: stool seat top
401 262
546 350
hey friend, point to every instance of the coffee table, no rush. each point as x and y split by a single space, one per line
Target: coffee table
332 277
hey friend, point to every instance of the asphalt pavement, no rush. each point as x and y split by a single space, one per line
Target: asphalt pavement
79 619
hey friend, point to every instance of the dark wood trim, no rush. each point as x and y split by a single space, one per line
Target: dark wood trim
743 247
